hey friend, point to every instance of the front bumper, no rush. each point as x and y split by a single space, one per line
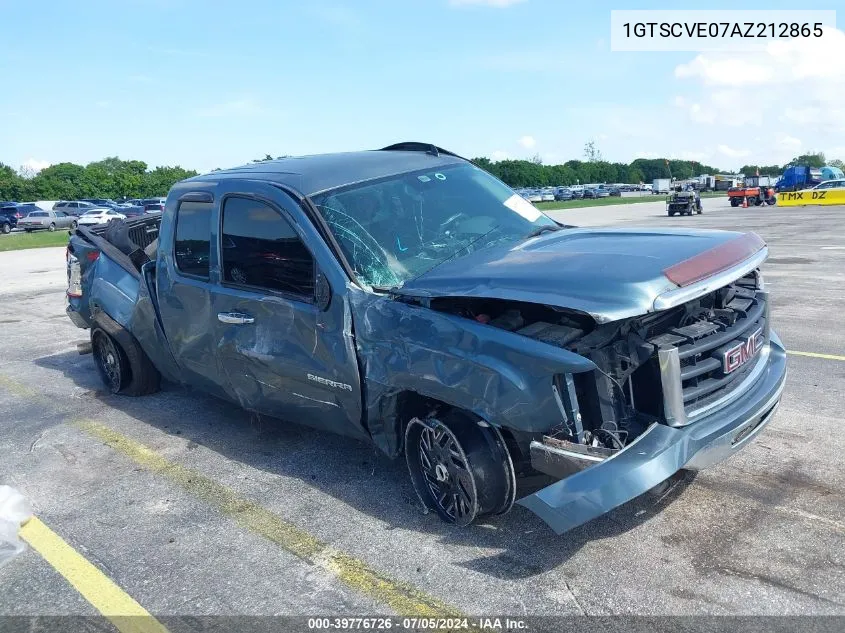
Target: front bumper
661 451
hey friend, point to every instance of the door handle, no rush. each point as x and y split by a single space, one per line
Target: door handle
234 318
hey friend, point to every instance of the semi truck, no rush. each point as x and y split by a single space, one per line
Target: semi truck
481 340
804 177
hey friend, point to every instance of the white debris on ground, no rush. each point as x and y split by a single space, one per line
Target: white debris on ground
15 510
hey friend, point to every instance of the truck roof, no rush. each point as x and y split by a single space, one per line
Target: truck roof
320 172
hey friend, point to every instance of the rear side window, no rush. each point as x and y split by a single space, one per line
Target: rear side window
40 214
193 237
260 249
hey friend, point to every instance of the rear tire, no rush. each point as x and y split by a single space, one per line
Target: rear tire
671 214
460 467
52 227
111 361
734 202
129 371
7 228
28 230
73 225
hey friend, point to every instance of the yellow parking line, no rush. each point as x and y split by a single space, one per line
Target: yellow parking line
816 355
352 572
104 595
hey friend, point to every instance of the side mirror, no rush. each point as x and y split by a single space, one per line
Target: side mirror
322 291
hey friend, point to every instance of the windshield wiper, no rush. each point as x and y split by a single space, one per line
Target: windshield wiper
542 229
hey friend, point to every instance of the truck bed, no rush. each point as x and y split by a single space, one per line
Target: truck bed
110 279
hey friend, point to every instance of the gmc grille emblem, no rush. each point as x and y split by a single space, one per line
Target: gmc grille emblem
742 352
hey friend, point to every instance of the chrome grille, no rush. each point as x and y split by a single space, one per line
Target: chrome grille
693 357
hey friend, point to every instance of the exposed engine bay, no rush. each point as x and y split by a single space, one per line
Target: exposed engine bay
623 396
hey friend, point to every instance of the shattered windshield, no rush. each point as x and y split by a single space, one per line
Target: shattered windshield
397 228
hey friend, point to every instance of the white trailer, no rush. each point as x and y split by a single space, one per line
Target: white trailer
661 185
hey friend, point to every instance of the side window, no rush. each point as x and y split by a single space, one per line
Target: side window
260 249
193 237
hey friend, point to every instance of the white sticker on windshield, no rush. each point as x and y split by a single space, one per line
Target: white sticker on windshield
522 207
423 178
440 176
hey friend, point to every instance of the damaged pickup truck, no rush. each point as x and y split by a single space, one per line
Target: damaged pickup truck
406 297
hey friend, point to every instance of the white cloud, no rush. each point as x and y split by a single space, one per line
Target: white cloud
725 71
789 142
527 142
793 90
487 3
32 166
733 153
696 156
236 107
500 155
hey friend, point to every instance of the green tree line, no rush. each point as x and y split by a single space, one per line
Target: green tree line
108 178
533 173
115 178
815 160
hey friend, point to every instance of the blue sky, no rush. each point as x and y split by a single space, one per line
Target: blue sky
215 84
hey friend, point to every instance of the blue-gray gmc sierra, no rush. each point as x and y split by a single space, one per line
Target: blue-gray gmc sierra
407 297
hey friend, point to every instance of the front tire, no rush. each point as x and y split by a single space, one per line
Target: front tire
734 202
73 225
7 228
460 467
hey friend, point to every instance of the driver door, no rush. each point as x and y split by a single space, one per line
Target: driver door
282 352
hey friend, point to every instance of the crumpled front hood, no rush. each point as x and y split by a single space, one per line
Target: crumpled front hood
608 273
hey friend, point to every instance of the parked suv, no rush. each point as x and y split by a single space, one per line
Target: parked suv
9 216
75 207
153 204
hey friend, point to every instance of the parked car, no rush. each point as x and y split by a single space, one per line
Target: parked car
100 216
611 190
577 191
49 220
418 303
535 196
73 207
153 204
838 183
547 195
130 210
100 202
564 194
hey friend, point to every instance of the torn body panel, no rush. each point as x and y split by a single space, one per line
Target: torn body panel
504 378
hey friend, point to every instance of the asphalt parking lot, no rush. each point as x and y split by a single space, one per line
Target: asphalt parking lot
192 506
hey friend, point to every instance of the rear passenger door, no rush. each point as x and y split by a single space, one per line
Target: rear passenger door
283 352
183 288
